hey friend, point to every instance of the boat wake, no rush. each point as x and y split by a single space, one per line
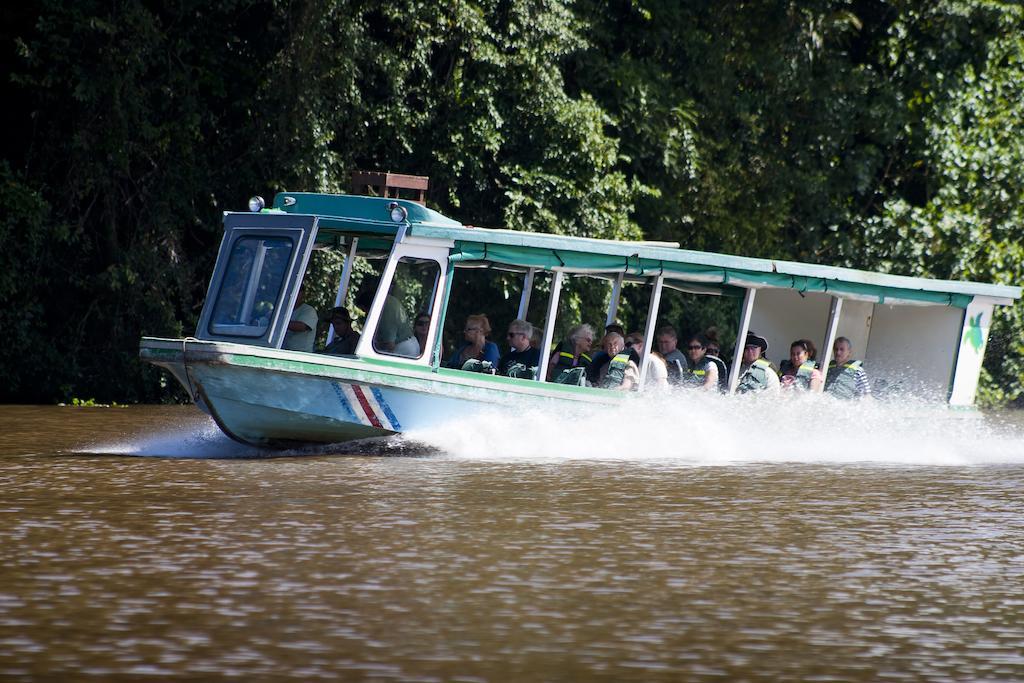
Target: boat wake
204 440
699 430
686 429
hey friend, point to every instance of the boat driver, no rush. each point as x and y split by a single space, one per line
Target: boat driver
345 338
302 327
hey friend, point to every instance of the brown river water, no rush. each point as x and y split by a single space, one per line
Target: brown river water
139 544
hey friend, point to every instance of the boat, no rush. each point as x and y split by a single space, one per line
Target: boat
930 333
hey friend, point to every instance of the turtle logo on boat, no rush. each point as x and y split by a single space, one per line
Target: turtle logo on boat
973 335
367 405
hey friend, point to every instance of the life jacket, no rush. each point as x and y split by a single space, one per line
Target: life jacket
694 376
841 381
723 372
520 371
474 365
576 376
616 371
566 358
803 374
755 378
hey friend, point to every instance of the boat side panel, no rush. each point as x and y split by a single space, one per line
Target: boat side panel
258 405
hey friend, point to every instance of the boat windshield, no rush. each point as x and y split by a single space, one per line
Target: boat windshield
251 286
412 291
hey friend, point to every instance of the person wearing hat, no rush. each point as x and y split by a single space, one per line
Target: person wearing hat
345 338
756 373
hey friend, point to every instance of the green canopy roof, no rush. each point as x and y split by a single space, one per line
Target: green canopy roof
370 215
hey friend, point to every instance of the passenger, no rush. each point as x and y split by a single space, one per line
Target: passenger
345 338
522 359
475 346
301 332
786 366
700 372
800 372
657 371
667 341
714 354
620 373
573 352
714 348
394 333
635 341
601 358
846 377
420 328
756 373
536 337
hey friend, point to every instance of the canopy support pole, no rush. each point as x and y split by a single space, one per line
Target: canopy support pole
613 305
346 273
649 326
524 300
830 338
438 320
741 339
549 325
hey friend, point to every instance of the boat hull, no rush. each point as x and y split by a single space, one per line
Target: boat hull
268 397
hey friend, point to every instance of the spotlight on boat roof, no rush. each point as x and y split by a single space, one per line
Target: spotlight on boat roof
398 212
256 204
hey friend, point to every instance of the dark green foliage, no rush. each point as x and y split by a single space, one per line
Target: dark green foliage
884 135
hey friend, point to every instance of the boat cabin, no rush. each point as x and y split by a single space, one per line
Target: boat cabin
915 335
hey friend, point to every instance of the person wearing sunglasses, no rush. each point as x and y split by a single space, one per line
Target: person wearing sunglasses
420 328
522 359
574 352
700 371
475 346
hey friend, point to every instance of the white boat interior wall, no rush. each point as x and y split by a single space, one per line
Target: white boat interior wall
923 335
916 347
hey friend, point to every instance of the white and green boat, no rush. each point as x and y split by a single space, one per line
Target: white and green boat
930 333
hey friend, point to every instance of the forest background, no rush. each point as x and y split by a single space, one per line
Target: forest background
884 135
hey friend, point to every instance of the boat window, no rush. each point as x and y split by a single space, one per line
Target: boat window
251 286
411 296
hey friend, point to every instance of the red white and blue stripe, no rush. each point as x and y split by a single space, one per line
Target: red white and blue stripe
368 406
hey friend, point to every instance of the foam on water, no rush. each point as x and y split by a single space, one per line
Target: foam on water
699 429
